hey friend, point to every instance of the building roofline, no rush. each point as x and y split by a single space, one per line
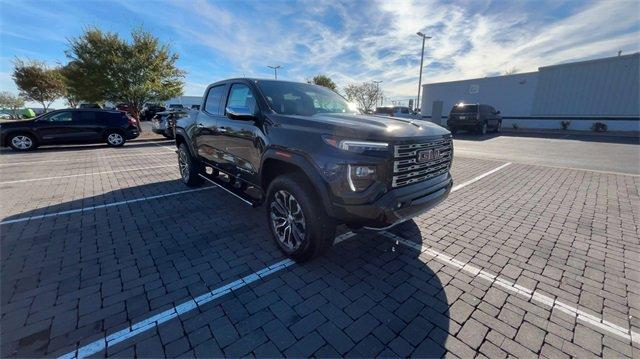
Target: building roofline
481 78
602 59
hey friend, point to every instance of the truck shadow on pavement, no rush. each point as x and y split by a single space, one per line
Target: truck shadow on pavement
70 279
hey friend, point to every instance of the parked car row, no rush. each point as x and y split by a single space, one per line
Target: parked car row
396 111
70 126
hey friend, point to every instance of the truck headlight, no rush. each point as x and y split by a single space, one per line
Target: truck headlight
360 177
355 145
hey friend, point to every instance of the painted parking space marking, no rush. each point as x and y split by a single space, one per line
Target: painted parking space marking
185 307
172 149
509 286
84 174
155 320
83 159
513 288
478 178
93 208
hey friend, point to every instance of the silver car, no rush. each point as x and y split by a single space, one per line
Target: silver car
163 122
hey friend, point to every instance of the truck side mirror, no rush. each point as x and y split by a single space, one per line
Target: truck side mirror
240 113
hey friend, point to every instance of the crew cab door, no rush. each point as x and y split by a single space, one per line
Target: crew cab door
208 141
242 136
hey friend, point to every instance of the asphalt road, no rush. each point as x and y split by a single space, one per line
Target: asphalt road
609 154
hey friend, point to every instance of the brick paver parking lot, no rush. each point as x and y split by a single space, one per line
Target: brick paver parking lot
527 261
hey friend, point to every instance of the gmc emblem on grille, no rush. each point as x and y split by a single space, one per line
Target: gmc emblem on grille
428 155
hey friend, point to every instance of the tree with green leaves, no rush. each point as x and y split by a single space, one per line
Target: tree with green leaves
104 67
37 82
324 80
72 94
365 95
11 102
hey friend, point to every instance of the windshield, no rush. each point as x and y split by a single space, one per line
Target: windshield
293 98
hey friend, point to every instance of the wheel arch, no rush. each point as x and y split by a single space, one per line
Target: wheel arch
7 134
278 162
109 130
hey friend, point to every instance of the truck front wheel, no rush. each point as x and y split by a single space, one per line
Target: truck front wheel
301 227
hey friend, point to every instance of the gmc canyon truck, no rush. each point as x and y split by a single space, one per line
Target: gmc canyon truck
312 161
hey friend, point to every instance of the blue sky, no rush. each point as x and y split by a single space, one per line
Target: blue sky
351 41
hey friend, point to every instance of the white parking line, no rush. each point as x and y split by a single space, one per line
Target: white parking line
478 178
83 159
93 208
172 149
528 294
509 286
84 174
154 321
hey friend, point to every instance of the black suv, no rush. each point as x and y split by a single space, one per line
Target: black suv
474 117
301 150
69 126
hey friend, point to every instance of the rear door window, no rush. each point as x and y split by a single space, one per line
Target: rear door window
66 116
87 117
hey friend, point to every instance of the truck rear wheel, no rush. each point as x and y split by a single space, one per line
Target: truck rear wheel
189 167
301 227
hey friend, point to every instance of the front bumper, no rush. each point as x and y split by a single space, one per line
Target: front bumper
132 133
397 205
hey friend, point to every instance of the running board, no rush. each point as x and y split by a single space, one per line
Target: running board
227 187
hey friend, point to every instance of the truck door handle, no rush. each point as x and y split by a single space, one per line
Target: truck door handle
200 125
222 129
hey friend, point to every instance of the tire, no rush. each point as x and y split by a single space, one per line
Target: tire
292 204
499 127
482 129
22 142
115 139
189 167
168 134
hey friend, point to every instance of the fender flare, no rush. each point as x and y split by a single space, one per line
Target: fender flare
307 167
180 132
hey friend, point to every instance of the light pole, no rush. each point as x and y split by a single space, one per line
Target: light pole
378 90
424 38
275 70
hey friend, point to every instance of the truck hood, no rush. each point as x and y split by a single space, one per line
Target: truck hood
365 127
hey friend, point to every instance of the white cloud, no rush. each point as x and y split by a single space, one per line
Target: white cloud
378 41
356 42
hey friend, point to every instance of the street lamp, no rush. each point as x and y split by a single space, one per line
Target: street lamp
424 38
275 70
378 90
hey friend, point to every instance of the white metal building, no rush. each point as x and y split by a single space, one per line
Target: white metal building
602 90
186 101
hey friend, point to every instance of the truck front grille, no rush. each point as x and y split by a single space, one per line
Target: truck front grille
421 161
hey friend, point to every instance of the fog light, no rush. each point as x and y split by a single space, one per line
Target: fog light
360 177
